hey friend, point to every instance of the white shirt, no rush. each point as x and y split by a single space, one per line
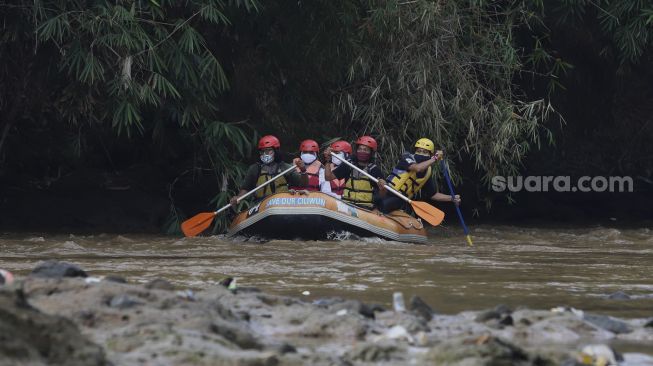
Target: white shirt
325 185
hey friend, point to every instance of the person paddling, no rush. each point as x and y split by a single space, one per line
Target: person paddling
308 150
343 151
359 189
270 165
413 174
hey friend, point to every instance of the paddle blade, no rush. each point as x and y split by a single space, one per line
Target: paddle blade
427 212
197 223
469 241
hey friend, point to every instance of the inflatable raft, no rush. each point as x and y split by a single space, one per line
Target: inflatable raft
316 215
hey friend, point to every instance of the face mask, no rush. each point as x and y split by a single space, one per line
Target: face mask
363 156
420 158
267 159
337 160
308 158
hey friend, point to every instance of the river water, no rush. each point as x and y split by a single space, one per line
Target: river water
535 267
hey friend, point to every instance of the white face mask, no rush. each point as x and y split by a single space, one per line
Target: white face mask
337 160
308 158
267 159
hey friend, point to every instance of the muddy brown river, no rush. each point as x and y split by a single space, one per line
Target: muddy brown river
536 267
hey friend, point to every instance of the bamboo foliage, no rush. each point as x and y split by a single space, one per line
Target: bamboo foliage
128 67
443 70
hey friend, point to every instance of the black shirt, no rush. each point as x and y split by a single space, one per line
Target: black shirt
344 171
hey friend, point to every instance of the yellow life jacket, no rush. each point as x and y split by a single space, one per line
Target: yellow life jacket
267 172
407 182
359 189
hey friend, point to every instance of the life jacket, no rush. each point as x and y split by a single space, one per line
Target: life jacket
407 182
359 188
313 172
337 185
267 172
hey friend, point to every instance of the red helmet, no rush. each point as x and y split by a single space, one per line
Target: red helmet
268 141
309 145
341 145
368 141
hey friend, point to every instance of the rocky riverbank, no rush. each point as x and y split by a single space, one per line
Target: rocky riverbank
61 315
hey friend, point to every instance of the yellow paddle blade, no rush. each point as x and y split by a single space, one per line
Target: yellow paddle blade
469 241
427 212
197 223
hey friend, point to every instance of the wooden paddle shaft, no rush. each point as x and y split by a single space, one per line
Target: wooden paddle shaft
374 179
257 188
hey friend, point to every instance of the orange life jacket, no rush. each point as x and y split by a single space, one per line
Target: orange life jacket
337 185
313 172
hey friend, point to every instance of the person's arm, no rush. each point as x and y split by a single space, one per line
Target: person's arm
295 178
332 171
249 183
340 172
378 174
420 167
327 155
441 197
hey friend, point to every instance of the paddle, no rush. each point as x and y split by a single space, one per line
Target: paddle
202 221
429 213
328 143
453 194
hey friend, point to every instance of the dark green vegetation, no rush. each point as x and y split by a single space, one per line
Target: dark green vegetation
172 95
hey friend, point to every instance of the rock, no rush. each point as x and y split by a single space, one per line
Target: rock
55 269
116 279
483 350
619 295
608 323
506 320
186 295
369 310
159 284
487 315
123 302
240 337
497 317
503 309
649 323
287 348
29 337
372 352
420 308
411 322
327 301
245 289
336 304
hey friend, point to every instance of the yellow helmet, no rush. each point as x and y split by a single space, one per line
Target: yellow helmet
426 144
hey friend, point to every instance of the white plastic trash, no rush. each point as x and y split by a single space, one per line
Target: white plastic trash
398 302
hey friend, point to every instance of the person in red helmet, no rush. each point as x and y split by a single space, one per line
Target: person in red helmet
270 164
343 151
308 150
360 190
